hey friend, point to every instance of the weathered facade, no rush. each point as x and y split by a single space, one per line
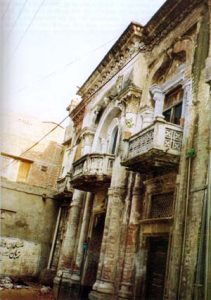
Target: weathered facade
138 165
28 187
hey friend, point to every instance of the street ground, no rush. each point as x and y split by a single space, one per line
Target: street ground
33 292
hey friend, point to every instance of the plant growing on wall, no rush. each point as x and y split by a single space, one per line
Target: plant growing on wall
129 123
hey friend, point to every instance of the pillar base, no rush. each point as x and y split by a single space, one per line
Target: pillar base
102 290
125 291
61 283
94 295
104 287
208 70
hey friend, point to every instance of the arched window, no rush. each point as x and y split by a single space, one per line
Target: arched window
113 141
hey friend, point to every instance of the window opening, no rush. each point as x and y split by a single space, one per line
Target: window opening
161 205
114 140
23 171
173 106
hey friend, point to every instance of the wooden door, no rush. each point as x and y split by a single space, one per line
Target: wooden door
156 268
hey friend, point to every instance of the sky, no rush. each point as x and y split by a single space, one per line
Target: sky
50 47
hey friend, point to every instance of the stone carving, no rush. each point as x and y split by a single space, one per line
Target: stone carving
173 139
93 164
141 144
159 135
11 248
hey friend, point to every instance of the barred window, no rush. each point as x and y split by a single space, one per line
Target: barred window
161 205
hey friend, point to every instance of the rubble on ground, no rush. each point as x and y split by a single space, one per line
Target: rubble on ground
9 283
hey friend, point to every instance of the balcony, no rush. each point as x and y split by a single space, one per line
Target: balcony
155 148
63 185
92 172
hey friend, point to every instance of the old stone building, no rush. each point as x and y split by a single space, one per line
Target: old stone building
28 187
138 165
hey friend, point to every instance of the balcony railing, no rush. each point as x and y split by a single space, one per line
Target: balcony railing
92 171
157 145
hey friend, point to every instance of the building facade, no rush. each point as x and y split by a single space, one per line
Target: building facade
28 187
138 223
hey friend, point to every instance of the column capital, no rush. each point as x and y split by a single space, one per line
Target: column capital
156 88
186 83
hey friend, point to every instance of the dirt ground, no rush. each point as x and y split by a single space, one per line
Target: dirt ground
31 293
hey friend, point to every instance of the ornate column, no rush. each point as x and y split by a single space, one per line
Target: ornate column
106 278
158 97
76 274
187 99
107 269
208 60
68 245
126 285
88 137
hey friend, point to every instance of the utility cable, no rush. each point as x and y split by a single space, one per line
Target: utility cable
6 9
18 17
121 68
28 27
68 64
36 143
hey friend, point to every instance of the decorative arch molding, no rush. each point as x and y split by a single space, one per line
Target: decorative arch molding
107 121
113 135
180 53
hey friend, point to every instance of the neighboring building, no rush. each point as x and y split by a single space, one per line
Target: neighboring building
138 163
28 187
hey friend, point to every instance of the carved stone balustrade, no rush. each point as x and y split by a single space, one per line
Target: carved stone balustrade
92 171
155 148
63 185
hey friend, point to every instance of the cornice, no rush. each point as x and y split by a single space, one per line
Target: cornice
130 91
77 113
135 39
116 57
166 19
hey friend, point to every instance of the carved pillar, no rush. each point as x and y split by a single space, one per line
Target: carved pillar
83 235
158 97
107 268
208 60
68 245
126 285
87 142
106 278
187 98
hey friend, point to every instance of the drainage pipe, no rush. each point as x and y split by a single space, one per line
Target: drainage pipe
185 226
198 285
207 288
54 238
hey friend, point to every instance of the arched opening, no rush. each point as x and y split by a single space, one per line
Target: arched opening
113 141
107 134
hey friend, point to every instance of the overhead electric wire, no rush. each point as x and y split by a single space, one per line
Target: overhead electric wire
121 68
6 9
36 143
28 27
44 77
18 17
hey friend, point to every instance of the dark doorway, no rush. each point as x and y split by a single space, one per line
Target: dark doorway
156 268
93 255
